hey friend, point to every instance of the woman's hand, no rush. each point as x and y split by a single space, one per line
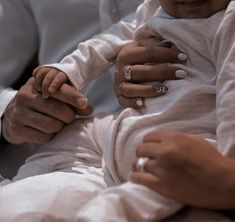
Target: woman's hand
144 62
187 168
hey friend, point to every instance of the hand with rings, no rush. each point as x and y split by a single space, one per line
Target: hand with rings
141 69
186 168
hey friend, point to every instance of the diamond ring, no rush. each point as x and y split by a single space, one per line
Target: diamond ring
141 162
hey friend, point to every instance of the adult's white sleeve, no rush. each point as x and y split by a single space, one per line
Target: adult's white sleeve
6 95
223 55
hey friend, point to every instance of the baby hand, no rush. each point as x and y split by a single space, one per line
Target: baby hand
48 80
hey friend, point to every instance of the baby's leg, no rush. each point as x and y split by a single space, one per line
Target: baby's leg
128 202
71 148
55 196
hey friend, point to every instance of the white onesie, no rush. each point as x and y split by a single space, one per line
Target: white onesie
200 104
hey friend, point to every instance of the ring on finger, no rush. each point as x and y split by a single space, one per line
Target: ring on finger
127 73
161 89
141 163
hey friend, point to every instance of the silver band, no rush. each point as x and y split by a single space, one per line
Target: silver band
161 89
127 73
140 165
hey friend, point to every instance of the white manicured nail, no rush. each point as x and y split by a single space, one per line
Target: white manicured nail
182 56
181 74
139 102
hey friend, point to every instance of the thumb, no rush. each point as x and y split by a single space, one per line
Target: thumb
72 96
84 112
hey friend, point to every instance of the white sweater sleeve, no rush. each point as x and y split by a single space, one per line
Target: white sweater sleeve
6 95
224 54
94 56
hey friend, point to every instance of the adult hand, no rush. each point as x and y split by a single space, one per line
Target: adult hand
31 118
144 62
187 168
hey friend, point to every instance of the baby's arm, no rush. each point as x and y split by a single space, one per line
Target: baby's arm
48 80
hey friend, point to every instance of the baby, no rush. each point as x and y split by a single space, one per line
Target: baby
201 104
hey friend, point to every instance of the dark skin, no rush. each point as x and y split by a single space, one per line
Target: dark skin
187 168
149 61
31 118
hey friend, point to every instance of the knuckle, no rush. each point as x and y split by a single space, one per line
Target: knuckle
54 127
150 53
173 55
122 56
139 150
66 114
121 88
23 97
126 91
69 118
122 101
39 137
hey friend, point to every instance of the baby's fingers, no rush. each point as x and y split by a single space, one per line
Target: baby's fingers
48 79
57 82
39 74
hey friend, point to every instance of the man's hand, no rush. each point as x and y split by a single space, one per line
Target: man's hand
144 62
31 118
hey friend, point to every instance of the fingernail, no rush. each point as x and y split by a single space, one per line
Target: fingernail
181 73
139 103
51 89
82 102
182 56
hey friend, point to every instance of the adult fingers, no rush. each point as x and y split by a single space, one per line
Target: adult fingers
153 42
84 112
54 108
158 54
38 121
28 100
151 166
22 134
145 178
162 135
131 90
150 149
152 72
136 103
69 95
